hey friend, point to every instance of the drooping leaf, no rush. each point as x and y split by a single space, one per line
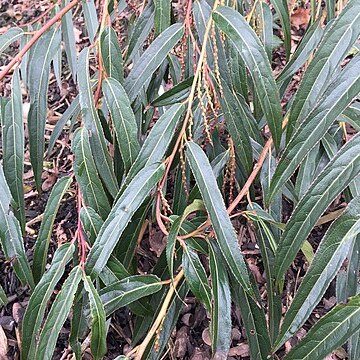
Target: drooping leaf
307 45
281 7
111 54
98 323
235 123
162 15
253 54
329 257
67 30
254 321
336 98
336 43
3 298
176 94
10 236
330 332
196 277
87 176
93 125
141 28
128 290
124 121
221 304
215 206
38 302
339 172
47 223
91 20
157 142
39 66
11 35
120 215
57 316
13 148
152 58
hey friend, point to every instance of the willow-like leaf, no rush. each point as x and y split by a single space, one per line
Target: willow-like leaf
330 332
98 323
39 67
124 121
92 124
13 148
253 53
120 215
338 174
334 101
336 43
38 302
46 228
221 304
152 58
57 316
111 54
329 257
215 206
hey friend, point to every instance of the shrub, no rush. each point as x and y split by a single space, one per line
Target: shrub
179 122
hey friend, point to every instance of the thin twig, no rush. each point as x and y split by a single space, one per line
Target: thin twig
36 37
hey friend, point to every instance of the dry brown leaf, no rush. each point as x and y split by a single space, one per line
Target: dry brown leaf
300 17
240 350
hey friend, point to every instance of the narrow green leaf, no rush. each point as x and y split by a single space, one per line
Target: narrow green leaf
120 215
253 54
176 94
202 11
339 172
196 277
124 121
11 35
47 223
221 305
157 142
330 332
13 148
57 316
329 257
3 298
128 290
196 205
67 31
38 302
307 45
98 323
70 114
215 205
266 21
337 41
152 58
281 8
235 123
87 175
336 98
93 125
39 67
140 31
91 20
162 15
10 236
111 54
254 321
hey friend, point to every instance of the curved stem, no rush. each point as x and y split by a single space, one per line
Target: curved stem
36 37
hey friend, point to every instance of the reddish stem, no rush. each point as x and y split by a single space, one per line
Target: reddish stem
36 37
